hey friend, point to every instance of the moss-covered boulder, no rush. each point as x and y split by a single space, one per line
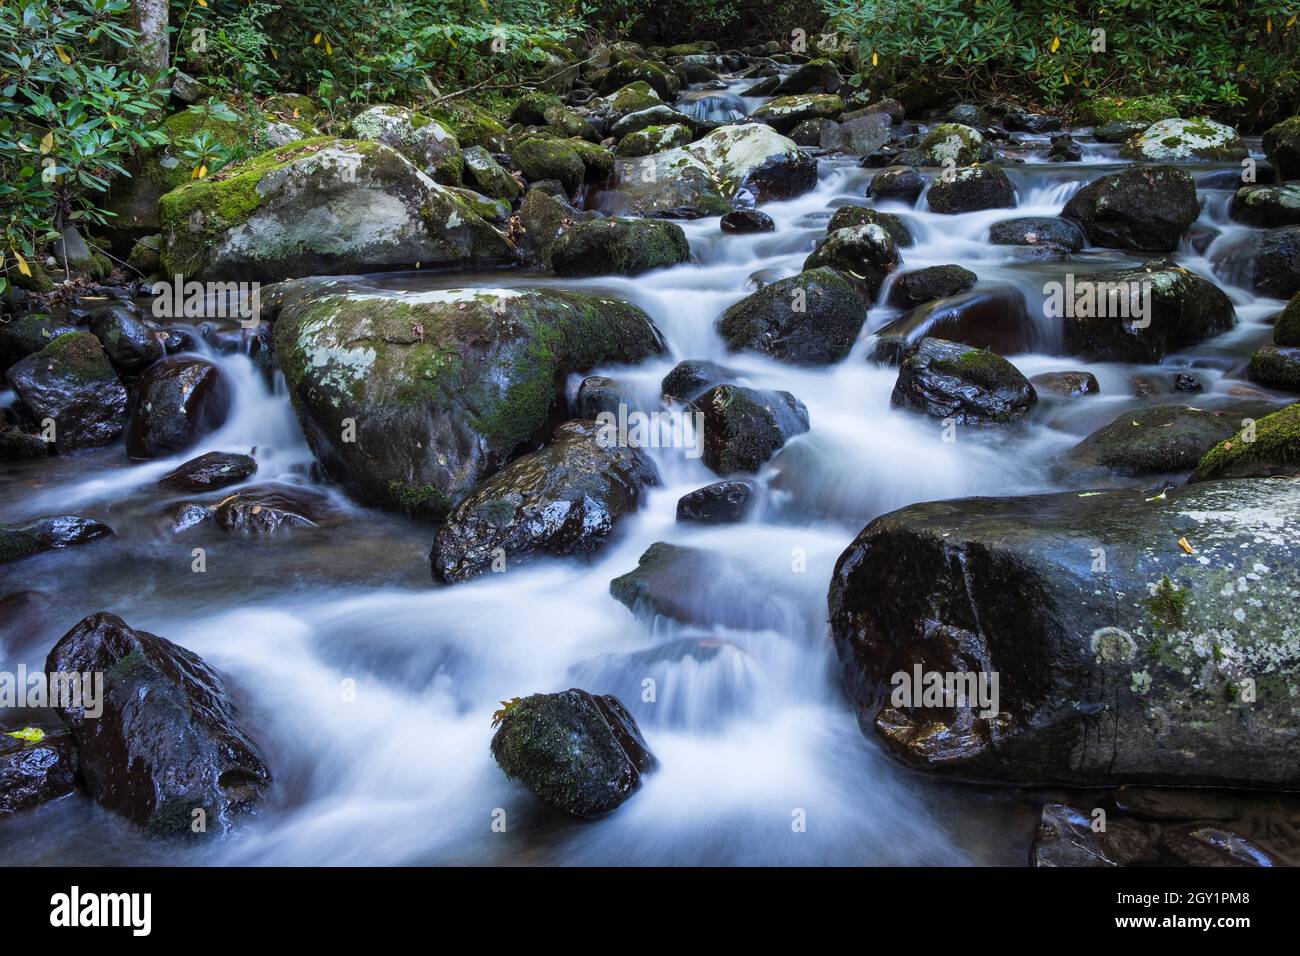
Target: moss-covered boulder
1148 441
1152 665
1138 314
971 386
812 318
866 254
953 144
1144 208
971 189
489 177
540 158
323 206
472 126
658 115
531 108
619 246
1286 331
1259 449
1277 367
577 752
629 99
744 427
1119 131
784 113
429 145
653 139
819 75
409 400
1185 140
1097 110
597 161
659 77
847 217
30 333
72 382
1267 206
1282 147
565 499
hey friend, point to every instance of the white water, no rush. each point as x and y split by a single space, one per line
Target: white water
750 726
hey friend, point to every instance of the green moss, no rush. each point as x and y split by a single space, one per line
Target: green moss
472 126
984 368
79 357
1287 329
1276 367
1168 606
1276 443
413 499
1105 109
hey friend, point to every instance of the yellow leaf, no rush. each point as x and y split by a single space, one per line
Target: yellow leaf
47 142
23 267
295 113
1290 23
315 40
31 735
875 59
1268 25
329 50
1067 78
203 3
1056 44
274 55
1183 543
63 54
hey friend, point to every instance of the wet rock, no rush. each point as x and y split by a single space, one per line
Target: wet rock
658 117
1038 231
1268 261
913 288
1267 206
756 160
898 183
72 381
619 246
1260 449
1157 648
867 254
577 752
1139 314
784 113
489 177
216 469
1022 121
321 207
184 515
816 76
971 189
1183 382
722 502
1276 367
1201 845
1119 131
1286 330
35 773
746 221
562 500
130 344
1184 141
812 318
661 79
744 427
430 146
1282 147
1144 208
597 394
1064 149
1069 384
953 144
969 385
990 318
847 217
441 387
692 378
29 334
17 444
860 135
540 158
654 139
48 534
266 509
167 744
1165 438
176 402
1065 837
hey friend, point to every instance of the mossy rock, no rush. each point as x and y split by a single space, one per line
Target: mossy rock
596 159
1282 147
1185 140
654 139
424 141
813 318
1261 449
472 126
970 386
784 113
848 216
619 246
1098 110
629 99
1286 331
539 158
1276 367
952 144
531 108
1148 441
489 177
660 78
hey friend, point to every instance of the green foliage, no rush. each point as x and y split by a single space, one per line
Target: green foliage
71 111
1205 56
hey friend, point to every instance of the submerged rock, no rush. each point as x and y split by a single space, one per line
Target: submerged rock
214 470
175 403
48 534
1147 441
812 318
167 750
1068 384
744 427
994 317
562 500
1144 208
1260 449
968 385
266 509
1065 837
72 382
577 752
35 773
1267 262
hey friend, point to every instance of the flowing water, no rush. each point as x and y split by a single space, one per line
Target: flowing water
750 725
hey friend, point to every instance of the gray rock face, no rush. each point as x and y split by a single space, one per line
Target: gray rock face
430 146
1144 208
621 246
1267 206
1162 667
562 500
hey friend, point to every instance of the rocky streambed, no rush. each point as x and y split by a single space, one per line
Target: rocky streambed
956 393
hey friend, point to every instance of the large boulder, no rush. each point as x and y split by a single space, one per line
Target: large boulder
1267 262
1139 314
812 318
411 400
577 752
72 381
971 189
562 500
1286 330
971 386
953 144
430 146
166 751
1183 140
1267 206
1276 367
784 113
48 534
744 427
654 139
1282 147
633 70
621 246
322 206
1144 208
1040 232
1119 657
659 116
867 254
176 402
541 158
1163 438
820 75
1259 449
26 334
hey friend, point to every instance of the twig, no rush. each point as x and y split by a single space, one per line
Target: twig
488 85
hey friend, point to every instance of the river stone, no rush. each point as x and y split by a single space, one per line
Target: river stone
816 76
577 752
860 135
723 502
1148 441
1185 310
268 508
744 427
1038 231
848 216
1260 449
746 221
1267 206
784 113
1065 837
971 189
322 206
130 344
1067 384
216 469
968 385
167 743
629 99
867 254
48 534
1276 367
619 246
18 444
660 116
1119 131
531 108
30 333
35 773
628 71
562 500
653 139
1143 208
489 177
1185 140
176 402
953 144
994 317
913 288
692 378
751 157
1286 330
812 318
898 183
541 158
1282 147
1138 673
72 381
443 387
1267 262
425 142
